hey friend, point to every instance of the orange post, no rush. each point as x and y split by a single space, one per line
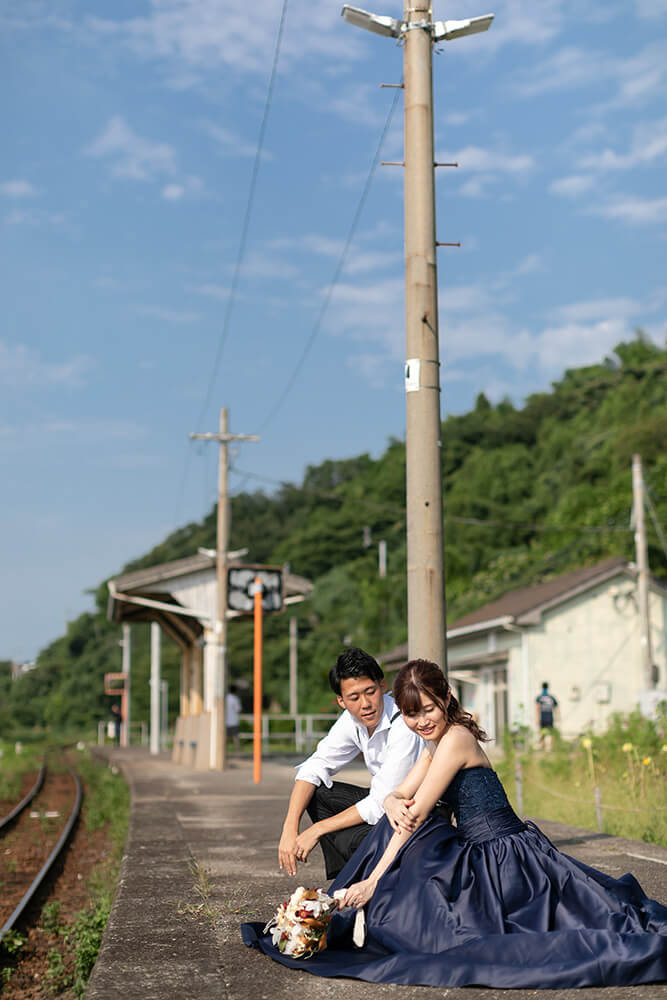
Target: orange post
257 686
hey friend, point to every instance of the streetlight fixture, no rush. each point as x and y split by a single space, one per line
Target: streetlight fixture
380 24
376 23
427 619
448 30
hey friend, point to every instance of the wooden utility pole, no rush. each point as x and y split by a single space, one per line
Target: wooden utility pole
425 544
641 555
218 745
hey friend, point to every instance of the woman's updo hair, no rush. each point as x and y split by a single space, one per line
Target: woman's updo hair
424 677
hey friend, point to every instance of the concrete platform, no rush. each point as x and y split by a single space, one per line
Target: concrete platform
189 828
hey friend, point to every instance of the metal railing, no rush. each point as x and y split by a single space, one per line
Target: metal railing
304 731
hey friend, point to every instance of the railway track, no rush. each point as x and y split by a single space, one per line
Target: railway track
7 820
32 840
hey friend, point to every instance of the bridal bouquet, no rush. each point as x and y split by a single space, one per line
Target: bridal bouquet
299 927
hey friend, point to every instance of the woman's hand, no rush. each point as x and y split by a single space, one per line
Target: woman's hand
358 894
398 813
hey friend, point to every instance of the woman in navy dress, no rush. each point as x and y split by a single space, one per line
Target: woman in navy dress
489 902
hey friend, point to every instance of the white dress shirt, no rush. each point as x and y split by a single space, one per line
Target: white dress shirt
389 754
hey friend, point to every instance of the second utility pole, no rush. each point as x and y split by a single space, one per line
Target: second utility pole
218 742
425 556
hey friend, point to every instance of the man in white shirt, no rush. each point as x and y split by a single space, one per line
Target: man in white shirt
344 814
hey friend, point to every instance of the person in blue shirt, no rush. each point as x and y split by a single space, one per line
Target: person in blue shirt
546 713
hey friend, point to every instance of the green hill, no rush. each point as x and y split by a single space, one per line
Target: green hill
528 493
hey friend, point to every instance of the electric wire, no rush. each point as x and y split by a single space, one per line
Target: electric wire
338 271
242 244
656 524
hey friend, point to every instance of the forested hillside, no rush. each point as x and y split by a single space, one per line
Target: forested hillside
528 493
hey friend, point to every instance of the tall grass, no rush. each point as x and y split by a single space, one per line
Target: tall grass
628 763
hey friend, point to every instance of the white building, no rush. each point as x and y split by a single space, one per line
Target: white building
579 632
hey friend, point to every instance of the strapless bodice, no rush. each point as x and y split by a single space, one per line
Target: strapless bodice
480 805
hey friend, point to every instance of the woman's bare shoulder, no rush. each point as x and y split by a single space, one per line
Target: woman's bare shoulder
460 743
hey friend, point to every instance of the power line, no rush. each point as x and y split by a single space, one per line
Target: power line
656 523
246 220
337 273
242 243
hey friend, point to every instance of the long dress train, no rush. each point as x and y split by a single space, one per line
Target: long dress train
490 902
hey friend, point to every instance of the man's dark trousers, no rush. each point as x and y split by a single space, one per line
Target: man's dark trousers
339 846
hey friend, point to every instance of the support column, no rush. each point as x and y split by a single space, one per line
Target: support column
156 637
196 686
184 707
210 663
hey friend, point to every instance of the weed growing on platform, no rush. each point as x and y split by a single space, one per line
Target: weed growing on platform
202 889
206 909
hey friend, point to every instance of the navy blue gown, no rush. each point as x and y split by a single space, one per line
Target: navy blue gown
490 902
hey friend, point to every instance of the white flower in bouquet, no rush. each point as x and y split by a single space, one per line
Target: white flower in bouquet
299 927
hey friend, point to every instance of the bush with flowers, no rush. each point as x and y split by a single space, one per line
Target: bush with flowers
627 763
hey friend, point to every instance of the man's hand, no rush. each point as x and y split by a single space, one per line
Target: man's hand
306 841
287 851
398 813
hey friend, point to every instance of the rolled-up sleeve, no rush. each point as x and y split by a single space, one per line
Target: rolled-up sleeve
402 753
333 752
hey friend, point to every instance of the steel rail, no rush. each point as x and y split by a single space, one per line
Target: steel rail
25 801
50 861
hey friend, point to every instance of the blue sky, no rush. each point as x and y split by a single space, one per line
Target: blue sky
130 131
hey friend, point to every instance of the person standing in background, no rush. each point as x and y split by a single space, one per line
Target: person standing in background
232 709
546 706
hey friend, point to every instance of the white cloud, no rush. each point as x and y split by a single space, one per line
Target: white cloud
572 186
578 344
18 189
649 143
488 165
167 315
229 142
176 192
266 265
214 291
209 34
651 8
22 367
568 67
359 104
531 263
491 161
637 78
456 118
597 310
634 210
131 156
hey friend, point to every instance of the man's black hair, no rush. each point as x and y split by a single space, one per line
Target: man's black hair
354 662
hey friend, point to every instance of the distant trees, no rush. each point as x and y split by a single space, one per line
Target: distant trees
529 492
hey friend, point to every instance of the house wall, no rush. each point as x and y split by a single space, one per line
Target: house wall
587 648
589 651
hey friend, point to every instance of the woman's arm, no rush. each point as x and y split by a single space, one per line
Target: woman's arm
397 804
458 748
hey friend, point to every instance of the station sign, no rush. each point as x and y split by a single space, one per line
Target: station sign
241 588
